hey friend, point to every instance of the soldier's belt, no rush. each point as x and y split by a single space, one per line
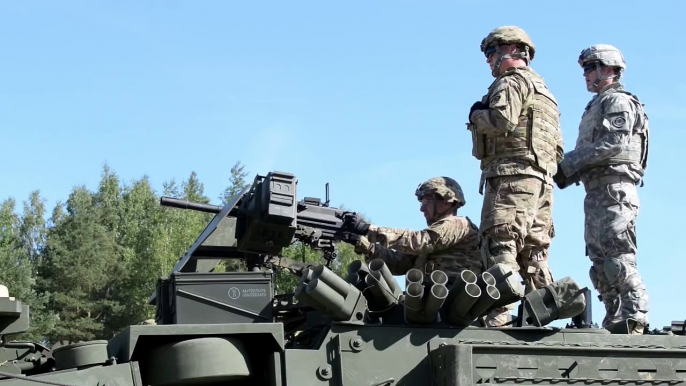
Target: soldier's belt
602 181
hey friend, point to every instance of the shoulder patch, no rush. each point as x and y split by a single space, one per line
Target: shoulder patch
617 103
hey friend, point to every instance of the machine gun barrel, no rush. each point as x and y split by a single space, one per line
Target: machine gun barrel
184 204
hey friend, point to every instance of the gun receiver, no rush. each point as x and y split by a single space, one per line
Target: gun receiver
262 220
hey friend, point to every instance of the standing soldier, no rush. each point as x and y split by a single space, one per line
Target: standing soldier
610 159
516 136
450 243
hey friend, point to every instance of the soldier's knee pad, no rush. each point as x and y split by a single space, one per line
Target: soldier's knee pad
614 270
596 281
593 275
506 259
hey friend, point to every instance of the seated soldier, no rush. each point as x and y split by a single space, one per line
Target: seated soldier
450 243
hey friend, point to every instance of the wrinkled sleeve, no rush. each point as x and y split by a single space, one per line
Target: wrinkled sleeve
505 105
398 263
612 136
438 236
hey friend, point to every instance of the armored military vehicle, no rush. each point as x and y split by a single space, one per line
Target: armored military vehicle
229 328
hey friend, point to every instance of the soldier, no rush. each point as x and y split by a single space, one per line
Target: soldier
450 243
610 159
516 136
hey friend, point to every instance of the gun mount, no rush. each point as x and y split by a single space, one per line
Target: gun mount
228 328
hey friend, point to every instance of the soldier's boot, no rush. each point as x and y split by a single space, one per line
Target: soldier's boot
633 298
611 303
606 294
636 328
537 277
626 326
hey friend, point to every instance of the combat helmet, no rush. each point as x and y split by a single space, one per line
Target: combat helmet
445 187
508 34
603 54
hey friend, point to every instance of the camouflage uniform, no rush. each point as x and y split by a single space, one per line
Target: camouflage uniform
610 158
517 138
450 244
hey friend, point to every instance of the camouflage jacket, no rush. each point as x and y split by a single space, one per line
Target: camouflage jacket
613 138
520 132
450 244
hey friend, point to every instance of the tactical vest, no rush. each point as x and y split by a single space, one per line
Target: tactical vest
536 137
592 123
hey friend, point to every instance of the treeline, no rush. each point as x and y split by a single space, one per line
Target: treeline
88 269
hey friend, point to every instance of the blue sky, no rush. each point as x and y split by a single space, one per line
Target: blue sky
371 97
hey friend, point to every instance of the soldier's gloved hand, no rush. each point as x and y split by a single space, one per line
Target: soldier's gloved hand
477 106
560 179
351 238
355 224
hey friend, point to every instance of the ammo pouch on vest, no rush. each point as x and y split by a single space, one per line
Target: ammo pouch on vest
478 142
559 300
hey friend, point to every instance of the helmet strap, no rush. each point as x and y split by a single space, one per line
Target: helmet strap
601 76
519 55
445 213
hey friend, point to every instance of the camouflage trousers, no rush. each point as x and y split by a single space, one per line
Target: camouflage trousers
516 230
610 234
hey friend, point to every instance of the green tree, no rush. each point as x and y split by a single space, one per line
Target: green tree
33 227
80 265
21 239
107 200
237 183
141 220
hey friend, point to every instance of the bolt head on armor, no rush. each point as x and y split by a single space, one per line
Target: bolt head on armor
445 187
508 35
606 54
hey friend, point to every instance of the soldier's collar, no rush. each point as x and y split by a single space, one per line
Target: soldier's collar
612 86
448 217
510 70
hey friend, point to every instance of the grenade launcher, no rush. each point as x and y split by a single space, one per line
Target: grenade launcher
259 222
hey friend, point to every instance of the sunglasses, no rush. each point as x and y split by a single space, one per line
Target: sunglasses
490 50
589 67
